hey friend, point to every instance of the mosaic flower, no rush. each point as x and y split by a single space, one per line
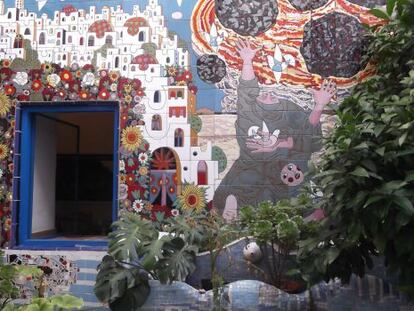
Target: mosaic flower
143 171
4 151
192 198
172 71
122 165
114 75
175 212
1 173
138 206
138 109
47 67
66 75
123 192
103 94
143 158
5 104
21 78
74 67
128 88
131 138
84 95
126 204
88 79
36 85
114 87
130 179
6 63
9 89
122 178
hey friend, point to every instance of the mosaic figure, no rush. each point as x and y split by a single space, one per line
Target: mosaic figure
276 137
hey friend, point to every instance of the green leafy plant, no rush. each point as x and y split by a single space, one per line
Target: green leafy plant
366 173
137 253
8 275
277 229
208 232
58 302
9 290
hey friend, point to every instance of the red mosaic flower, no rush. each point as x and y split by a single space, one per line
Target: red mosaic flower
193 89
74 86
188 76
84 95
141 92
36 85
5 73
35 74
88 67
103 94
136 84
48 93
9 90
23 98
61 93
66 75
6 63
130 179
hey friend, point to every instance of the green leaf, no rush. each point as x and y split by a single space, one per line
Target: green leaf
402 139
115 281
373 199
405 204
360 172
130 234
178 261
390 6
379 13
66 302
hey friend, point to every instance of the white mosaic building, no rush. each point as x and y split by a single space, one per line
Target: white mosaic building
77 36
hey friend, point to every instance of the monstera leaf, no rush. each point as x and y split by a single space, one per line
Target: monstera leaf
66 302
123 288
178 261
129 237
186 226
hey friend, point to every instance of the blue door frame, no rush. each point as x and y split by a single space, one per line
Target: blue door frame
26 174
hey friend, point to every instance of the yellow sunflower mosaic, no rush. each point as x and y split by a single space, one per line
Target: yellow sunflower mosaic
131 138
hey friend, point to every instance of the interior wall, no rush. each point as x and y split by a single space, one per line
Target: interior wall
43 217
96 136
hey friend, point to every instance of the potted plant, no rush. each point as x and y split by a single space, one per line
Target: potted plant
277 229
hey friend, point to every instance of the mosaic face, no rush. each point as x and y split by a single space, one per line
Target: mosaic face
247 17
292 175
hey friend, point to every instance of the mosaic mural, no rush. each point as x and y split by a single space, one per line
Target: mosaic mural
222 102
58 274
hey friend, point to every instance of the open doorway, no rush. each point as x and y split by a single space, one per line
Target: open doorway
71 196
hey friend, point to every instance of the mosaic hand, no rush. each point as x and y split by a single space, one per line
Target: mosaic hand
268 143
325 94
246 51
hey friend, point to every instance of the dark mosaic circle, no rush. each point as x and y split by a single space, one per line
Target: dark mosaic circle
211 68
334 45
306 5
247 17
368 3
